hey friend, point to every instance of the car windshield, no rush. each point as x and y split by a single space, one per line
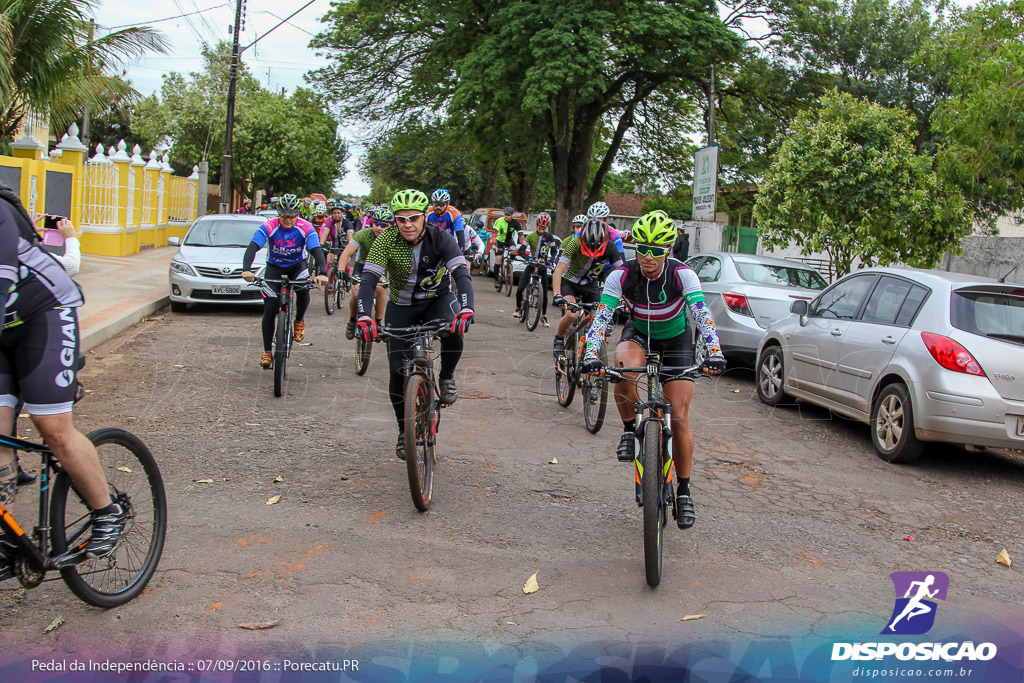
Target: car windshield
782 276
995 313
233 233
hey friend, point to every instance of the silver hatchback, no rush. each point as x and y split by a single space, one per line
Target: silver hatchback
919 355
746 293
208 266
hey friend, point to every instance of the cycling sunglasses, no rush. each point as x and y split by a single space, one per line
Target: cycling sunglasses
383 224
401 220
651 250
289 215
440 205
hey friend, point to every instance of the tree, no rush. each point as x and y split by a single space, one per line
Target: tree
982 123
847 181
47 61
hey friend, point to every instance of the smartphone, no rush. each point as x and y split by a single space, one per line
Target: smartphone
50 222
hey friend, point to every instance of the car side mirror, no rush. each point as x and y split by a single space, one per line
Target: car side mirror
799 307
174 241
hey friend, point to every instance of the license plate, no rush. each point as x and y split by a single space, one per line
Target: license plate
227 289
1020 426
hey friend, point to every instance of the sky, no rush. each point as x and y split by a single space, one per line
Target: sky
279 60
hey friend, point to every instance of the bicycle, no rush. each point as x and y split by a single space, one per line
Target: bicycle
569 374
504 272
337 287
364 350
283 336
533 296
422 407
65 523
653 460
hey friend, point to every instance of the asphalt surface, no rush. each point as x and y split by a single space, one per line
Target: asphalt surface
799 523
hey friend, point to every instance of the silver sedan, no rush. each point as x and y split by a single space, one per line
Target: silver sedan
919 355
746 293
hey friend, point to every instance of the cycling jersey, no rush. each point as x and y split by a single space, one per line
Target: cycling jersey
582 269
365 239
505 230
536 242
451 221
419 271
657 308
286 247
37 280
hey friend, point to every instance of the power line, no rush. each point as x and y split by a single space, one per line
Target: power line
157 21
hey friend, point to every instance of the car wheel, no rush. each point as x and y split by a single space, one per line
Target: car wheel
892 426
771 377
178 306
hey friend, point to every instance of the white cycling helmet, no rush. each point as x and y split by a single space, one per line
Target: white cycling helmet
320 209
441 195
580 218
599 210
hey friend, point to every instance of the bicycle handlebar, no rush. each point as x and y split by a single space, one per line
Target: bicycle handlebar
439 327
296 284
575 306
618 374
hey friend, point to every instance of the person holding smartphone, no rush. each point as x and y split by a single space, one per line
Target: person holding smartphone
72 257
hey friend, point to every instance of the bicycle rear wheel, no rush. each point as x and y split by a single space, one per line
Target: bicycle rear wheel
508 277
533 295
281 352
330 301
419 440
654 502
363 351
565 384
595 397
340 290
499 281
135 483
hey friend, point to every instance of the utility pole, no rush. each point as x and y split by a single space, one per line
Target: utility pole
85 113
711 107
225 165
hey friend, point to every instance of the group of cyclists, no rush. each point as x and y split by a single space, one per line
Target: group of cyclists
413 253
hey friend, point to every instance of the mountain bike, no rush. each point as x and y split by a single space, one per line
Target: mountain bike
364 350
283 336
533 295
653 460
504 272
65 523
337 287
569 373
422 406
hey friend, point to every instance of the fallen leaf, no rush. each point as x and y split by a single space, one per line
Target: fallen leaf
908 538
180 366
55 624
23 415
692 617
273 500
253 424
277 479
204 481
531 584
122 468
511 623
1004 558
553 461
735 391
305 343
260 625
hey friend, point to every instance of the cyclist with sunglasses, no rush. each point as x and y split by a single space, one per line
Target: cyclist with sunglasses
577 276
421 260
287 238
657 291
363 241
506 234
447 217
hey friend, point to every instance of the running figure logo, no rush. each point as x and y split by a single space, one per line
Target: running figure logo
914 612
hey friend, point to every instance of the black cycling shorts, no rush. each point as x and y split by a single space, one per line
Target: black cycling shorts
297 272
39 362
674 351
585 294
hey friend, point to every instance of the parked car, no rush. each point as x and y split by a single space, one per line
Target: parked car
267 214
746 293
208 265
918 355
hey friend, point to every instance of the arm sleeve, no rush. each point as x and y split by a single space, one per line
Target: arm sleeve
250 255
72 258
460 235
610 298
367 288
694 296
465 283
318 256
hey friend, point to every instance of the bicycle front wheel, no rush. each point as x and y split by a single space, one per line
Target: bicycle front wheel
652 482
363 351
533 300
330 293
508 278
281 353
135 483
565 387
419 440
595 398
499 281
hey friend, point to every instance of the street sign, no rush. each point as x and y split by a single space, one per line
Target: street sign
705 183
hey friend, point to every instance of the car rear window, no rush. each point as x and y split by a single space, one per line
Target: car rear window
995 313
781 276
233 233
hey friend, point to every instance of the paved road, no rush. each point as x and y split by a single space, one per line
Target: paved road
799 523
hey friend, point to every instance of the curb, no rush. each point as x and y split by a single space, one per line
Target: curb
117 321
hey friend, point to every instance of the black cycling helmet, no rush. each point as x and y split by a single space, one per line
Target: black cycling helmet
509 211
593 238
289 205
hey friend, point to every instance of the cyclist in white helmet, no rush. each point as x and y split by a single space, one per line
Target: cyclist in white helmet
599 210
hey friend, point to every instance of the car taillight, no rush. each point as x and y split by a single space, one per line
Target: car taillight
951 355
737 303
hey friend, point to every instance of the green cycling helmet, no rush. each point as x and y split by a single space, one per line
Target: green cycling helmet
383 213
409 200
654 228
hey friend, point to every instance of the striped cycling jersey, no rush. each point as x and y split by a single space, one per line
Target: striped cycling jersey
582 270
450 220
657 307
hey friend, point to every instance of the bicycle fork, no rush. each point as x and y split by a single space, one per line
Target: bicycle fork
661 421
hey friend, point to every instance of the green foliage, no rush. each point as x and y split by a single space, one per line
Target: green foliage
675 208
847 181
47 61
983 122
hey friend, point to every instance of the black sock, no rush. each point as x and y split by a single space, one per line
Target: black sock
684 486
109 510
351 318
629 425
